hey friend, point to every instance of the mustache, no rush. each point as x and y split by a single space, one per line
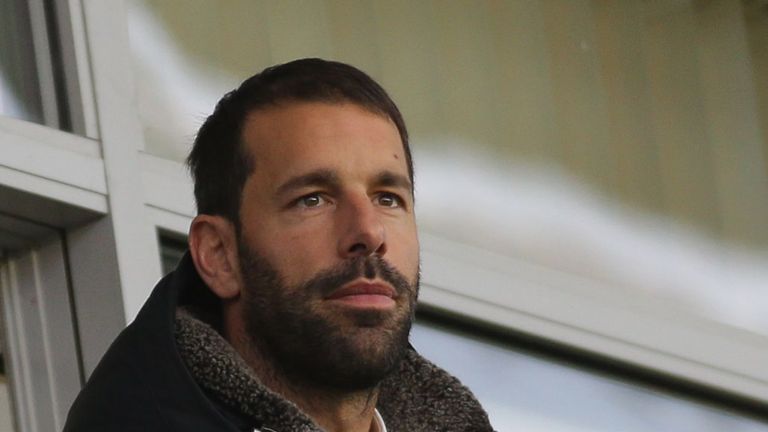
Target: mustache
370 267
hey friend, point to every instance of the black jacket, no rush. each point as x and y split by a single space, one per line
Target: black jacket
142 383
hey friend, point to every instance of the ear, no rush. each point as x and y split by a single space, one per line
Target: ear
213 246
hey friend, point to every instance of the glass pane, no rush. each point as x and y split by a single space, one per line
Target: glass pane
19 86
621 143
527 393
171 251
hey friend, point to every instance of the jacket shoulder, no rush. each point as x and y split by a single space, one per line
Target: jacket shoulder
116 397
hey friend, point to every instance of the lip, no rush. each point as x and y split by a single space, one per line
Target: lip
365 294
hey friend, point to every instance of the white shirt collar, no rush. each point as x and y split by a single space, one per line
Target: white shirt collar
380 426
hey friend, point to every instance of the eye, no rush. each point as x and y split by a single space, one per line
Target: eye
311 201
389 200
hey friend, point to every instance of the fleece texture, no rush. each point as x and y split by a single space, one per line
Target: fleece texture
419 397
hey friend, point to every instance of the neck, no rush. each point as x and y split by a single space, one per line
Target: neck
332 409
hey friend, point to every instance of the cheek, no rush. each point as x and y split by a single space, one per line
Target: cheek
404 251
299 256
414 262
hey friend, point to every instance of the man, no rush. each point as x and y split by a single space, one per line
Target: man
292 309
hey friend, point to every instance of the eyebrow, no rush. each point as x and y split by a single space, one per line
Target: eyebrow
328 178
391 179
321 177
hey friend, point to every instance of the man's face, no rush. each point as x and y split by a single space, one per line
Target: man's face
328 246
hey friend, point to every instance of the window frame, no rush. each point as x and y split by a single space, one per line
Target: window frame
42 350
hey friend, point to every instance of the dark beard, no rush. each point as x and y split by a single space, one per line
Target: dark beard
308 343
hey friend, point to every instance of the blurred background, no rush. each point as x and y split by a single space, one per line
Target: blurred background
591 177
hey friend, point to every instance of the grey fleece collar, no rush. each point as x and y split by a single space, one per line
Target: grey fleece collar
419 397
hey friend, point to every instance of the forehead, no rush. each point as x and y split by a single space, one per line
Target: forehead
302 135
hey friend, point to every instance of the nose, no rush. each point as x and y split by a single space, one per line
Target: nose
362 231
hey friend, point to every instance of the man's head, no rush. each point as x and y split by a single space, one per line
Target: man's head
313 250
219 162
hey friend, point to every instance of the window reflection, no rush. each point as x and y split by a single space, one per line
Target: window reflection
19 85
522 392
171 251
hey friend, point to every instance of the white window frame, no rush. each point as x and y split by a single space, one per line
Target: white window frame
41 342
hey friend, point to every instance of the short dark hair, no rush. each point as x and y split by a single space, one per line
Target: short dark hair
219 161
